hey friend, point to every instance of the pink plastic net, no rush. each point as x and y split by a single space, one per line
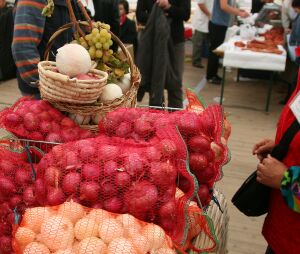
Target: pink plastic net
202 133
38 120
121 176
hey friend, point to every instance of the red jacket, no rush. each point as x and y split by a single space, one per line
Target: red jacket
282 225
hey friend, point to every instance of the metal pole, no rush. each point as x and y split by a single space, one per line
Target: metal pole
272 82
223 85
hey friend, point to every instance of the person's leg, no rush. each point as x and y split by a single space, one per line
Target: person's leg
216 38
175 95
197 40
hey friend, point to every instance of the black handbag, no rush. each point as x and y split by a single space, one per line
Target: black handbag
252 198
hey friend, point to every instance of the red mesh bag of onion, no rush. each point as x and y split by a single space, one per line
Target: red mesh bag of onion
122 176
201 131
39 120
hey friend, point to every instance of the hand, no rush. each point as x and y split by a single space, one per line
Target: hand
163 4
270 172
243 14
287 30
263 148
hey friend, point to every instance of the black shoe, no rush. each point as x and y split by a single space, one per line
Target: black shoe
218 77
198 65
215 80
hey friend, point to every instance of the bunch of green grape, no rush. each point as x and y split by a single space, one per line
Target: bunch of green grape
98 42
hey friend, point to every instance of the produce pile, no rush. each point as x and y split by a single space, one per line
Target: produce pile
39 120
121 176
201 132
148 165
272 39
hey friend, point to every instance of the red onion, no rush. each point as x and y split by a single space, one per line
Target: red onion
71 183
31 122
163 174
168 148
5 228
67 123
205 175
153 154
23 177
161 122
15 201
133 164
55 114
140 198
45 127
86 149
85 134
168 210
189 124
89 191
54 137
207 124
55 196
199 144
13 119
52 175
143 128
69 134
7 187
71 158
110 168
40 191
4 209
35 108
45 116
122 180
107 152
29 197
7 167
204 195
90 172
167 194
5 245
123 130
55 127
184 184
198 161
107 188
36 136
113 205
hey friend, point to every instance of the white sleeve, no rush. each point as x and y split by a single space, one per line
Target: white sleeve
201 1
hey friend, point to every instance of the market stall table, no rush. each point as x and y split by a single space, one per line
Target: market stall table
236 57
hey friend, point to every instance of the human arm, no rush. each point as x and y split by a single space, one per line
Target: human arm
181 11
263 148
232 10
285 16
290 188
203 8
28 32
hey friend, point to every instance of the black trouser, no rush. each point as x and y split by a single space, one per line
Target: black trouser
269 251
216 38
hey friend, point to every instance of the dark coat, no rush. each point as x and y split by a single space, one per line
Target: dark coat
155 57
107 11
7 64
179 12
128 33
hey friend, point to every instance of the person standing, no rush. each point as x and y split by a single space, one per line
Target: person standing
217 27
32 31
177 11
288 15
128 32
200 26
282 224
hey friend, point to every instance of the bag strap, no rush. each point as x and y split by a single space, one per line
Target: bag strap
281 150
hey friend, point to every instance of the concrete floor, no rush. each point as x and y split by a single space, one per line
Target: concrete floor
244 102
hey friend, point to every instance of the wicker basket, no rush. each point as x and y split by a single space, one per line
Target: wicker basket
95 108
57 87
220 222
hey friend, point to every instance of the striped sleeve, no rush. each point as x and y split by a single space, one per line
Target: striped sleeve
28 32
